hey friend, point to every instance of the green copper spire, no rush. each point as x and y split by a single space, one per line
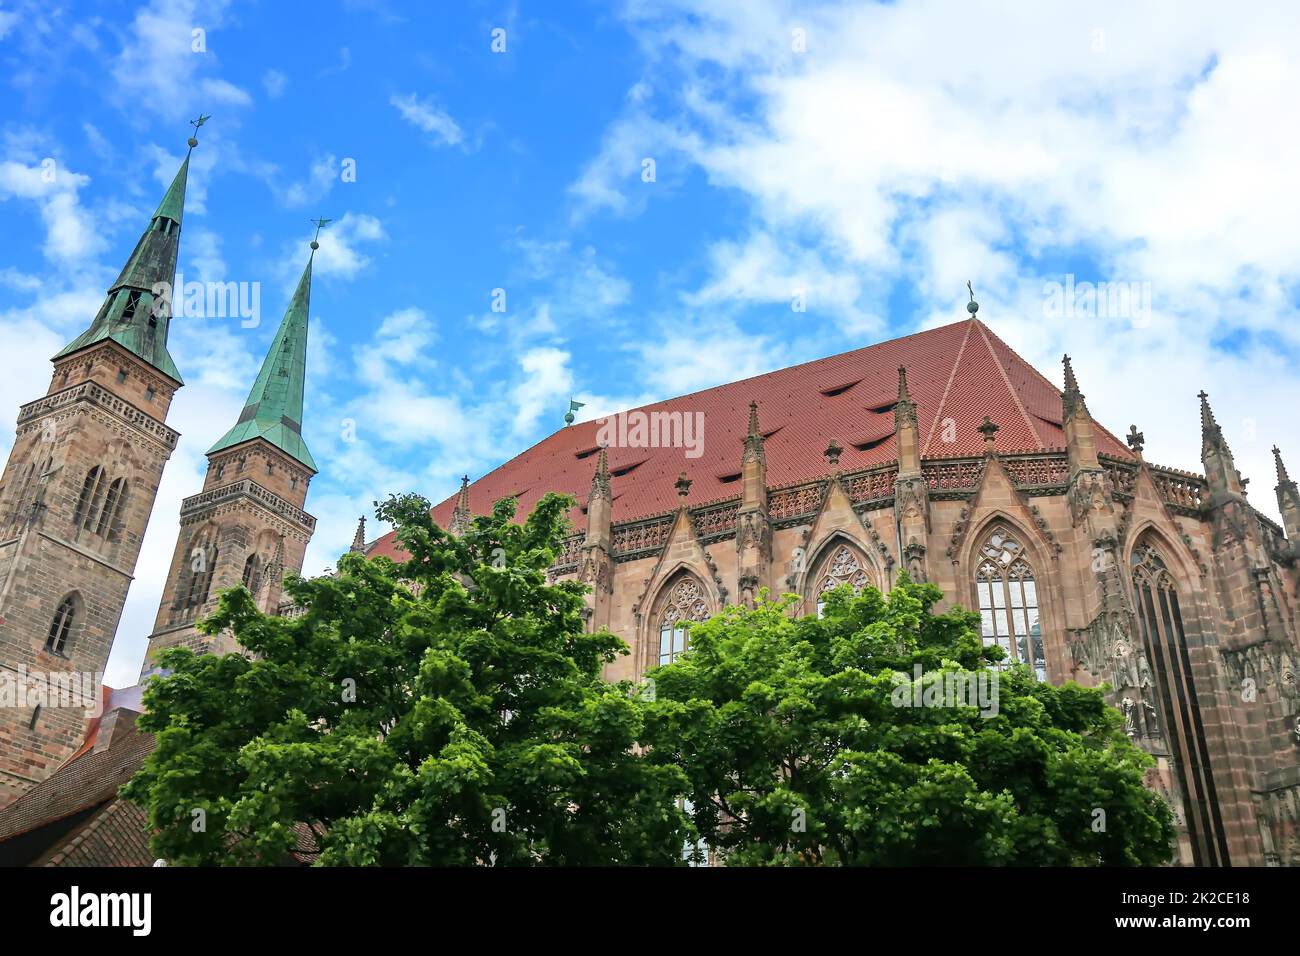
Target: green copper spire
137 309
273 411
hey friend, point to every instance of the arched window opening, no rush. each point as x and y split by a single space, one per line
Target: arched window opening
201 567
686 602
1008 601
61 625
1164 639
91 501
114 504
843 567
252 572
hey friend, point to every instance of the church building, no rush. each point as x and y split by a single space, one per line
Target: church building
944 454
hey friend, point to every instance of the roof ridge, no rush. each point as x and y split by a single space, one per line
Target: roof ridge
952 373
1006 379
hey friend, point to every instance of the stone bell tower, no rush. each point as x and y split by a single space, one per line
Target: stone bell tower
247 524
75 499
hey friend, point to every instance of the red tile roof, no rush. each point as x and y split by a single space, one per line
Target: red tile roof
84 782
960 372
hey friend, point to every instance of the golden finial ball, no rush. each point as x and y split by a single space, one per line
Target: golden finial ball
193 142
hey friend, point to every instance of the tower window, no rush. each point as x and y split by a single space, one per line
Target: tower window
148 394
88 504
121 375
251 573
114 503
36 715
132 303
61 626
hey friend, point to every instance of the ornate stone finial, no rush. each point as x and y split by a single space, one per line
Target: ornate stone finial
600 480
1136 440
833 452
1212 439
753 421
904 408
1282 477
988 429
359 539
1207 413
320 223
461 515
1071 383
972 306
573 407
196 123
683 485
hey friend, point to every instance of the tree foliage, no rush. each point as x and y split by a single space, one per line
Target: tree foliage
798 751
448 711
451 711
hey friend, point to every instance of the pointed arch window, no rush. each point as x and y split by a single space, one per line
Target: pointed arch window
252 572
686 602
843 567
1008 601
90 500
202 566
61 625
1164 639
110 518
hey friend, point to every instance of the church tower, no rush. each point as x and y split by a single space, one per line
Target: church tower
247 524
75 499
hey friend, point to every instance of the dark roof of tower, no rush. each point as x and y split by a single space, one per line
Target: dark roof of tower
960 372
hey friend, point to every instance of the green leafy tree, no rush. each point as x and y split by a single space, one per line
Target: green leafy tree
800 748
446 711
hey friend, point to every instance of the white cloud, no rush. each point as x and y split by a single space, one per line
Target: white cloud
69 232
324 173
274 82
922 144
431 119
159 68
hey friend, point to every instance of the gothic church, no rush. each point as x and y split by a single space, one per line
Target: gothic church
942 453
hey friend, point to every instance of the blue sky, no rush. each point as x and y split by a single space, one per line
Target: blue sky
870 158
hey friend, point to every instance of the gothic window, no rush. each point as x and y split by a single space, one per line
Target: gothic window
202 567
686 602
128 313
110 518
91 499
844 567
1008 601
61 626
251 573
1164 639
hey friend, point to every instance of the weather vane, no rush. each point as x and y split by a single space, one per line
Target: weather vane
972 307
320 224
573 407
196 123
